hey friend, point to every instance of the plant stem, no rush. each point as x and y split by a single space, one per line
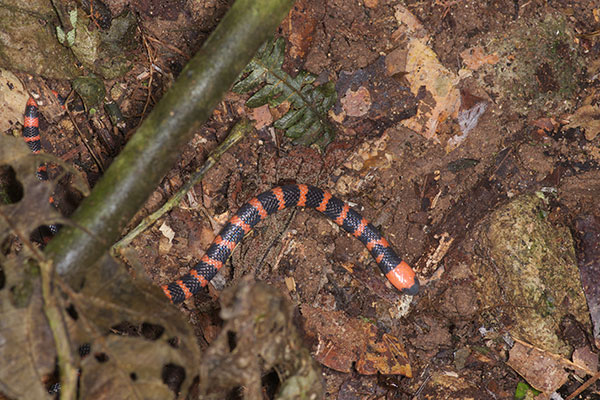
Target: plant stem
55 315
239 130
152 151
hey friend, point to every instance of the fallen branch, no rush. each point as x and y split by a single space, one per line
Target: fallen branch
585 385
236 134
152 151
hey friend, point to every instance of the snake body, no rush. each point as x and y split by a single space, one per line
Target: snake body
398 272
31 134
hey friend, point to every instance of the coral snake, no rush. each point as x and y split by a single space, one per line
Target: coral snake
31 134
398 272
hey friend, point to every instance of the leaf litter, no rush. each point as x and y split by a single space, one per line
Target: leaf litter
305 120
107 298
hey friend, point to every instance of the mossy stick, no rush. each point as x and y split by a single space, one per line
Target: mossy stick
239 130
152 151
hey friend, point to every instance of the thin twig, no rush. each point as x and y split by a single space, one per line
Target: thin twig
237 132
586 385
150 62
168 46
83 138
55 315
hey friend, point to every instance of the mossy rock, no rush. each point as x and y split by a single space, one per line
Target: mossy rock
528 277
539 65
107 54
28 41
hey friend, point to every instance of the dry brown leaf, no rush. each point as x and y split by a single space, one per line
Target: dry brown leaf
142 346
12 99
356 103
167 231
587 118
385 356
440 97
541 369
586 359
339 338
342 341
258 335
474 58
24 216
27 348
299 28
262 116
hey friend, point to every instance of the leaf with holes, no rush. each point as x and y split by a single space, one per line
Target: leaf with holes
306 119
142 347
25 205
26 345
139 345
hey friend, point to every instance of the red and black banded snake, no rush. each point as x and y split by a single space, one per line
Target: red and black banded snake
31 134
397 271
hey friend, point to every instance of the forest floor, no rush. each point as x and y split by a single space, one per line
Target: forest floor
446 111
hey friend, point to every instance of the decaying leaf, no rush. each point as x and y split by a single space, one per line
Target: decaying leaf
441 103
471 109
262 116
12 99
356 103
299 27
385 355
475 57
130 364
258 335
371 99
541 369
424 71
30 211
133 370
306 120
109 302
587 118
342 341
141 346
26 345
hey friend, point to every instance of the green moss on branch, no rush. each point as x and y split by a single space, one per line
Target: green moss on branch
152 151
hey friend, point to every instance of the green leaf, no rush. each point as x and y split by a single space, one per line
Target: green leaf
306 120
523 390
73 17
289 119
60 35
71 38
